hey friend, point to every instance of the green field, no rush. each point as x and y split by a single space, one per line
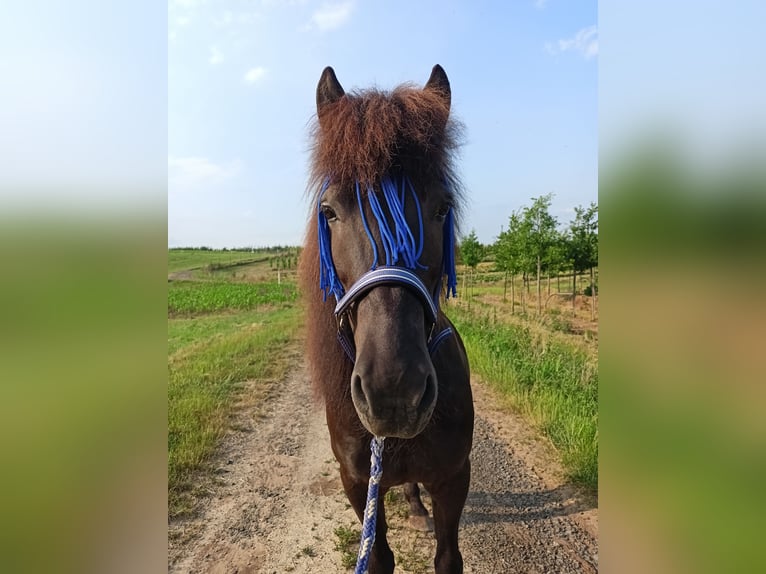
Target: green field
183 259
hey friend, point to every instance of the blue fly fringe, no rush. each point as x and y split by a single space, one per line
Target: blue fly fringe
371 508
399 244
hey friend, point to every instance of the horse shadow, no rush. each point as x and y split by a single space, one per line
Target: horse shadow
523 506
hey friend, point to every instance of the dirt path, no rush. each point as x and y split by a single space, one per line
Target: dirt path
279 500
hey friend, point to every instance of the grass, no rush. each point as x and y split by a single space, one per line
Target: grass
192 297
184 331
210 359
181 259
347 544
552 382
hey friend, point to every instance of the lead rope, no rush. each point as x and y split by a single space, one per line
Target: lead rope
371 508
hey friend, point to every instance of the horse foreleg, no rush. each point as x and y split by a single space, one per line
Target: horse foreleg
381 556
448 500
419 518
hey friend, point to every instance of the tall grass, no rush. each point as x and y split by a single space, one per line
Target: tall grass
552 382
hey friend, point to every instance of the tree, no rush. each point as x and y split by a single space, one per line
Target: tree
541 235
556 260
510 254
471 251
583 247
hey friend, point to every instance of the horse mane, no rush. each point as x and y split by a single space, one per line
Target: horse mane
361 137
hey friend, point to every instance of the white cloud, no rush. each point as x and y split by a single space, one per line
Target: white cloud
585 41
255 74
191 172
332 16
216 56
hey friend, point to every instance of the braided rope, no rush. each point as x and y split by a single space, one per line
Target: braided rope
371 508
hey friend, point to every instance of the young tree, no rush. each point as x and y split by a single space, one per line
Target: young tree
540 226
583 247
556 260
510 254
471 251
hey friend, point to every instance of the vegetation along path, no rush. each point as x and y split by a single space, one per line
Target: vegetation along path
277 504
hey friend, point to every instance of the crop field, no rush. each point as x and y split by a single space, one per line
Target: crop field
192 297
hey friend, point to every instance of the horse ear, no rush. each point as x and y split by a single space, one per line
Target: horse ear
440 83
329 90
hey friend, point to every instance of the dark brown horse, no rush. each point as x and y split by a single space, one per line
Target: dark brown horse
385 360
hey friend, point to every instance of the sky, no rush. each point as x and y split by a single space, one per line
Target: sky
241 95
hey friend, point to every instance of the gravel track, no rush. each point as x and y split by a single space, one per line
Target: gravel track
277 500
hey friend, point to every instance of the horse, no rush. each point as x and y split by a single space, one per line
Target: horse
379 249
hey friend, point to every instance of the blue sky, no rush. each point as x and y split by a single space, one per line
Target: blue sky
241 88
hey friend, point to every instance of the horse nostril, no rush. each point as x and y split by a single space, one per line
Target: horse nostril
357 391
429 394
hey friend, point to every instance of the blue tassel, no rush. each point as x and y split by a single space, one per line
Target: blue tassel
398 243
420 215
449 254
386 237
328 278
367 228
405 242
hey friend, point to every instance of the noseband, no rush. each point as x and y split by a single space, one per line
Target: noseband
397 276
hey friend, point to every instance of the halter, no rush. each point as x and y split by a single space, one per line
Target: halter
388 276
399 245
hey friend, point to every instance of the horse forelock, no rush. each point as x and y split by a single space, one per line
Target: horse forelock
368 134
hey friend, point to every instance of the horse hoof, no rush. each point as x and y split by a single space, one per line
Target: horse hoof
422 523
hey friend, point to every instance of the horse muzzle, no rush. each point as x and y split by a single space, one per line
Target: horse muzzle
394 403
393 385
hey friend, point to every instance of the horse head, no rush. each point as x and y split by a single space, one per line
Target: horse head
384 213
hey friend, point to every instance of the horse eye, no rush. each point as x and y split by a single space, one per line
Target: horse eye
328 212
442 212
